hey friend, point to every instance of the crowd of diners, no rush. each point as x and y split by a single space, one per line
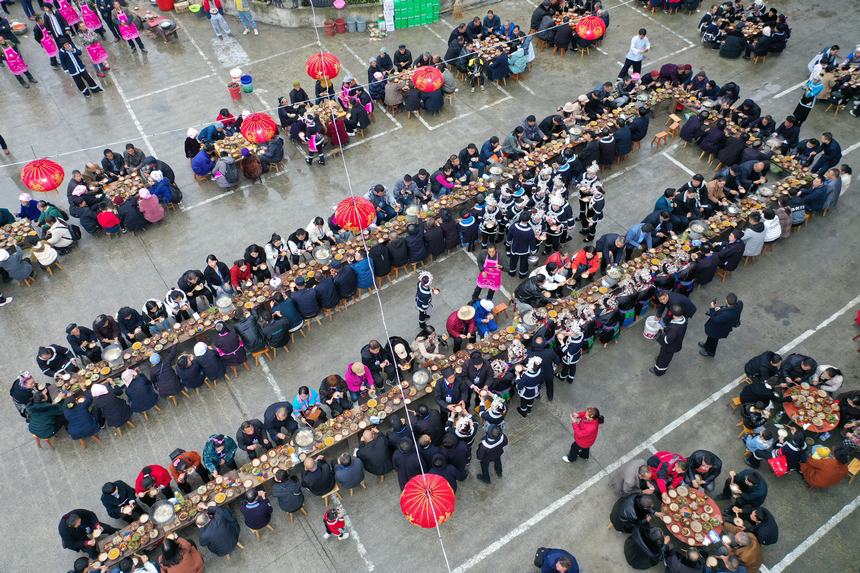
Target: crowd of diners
723 28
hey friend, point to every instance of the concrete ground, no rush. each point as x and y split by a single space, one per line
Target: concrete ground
801 298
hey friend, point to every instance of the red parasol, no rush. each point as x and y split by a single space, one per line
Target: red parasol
590 28
323 66
42 175
354 214
259 127
420 491
427 79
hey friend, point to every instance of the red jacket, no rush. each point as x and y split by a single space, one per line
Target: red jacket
585 431
158 473
592 265
237 276
456 327
662 465
558 259
108 219
207 5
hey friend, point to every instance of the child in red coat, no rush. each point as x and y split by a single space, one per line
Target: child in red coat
334 524
585 426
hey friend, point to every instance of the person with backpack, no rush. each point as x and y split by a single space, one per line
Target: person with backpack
60 235
226 172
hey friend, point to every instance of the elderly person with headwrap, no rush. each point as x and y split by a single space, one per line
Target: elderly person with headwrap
160 187
210 361
192 146
149 205
140 391
108 406
229 345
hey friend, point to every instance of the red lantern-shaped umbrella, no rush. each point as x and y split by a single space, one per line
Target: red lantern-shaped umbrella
323 66
42 175
590 28
427 500
427 79
355 214
259 127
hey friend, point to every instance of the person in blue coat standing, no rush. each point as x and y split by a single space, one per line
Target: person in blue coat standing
721 321
70 60
522 243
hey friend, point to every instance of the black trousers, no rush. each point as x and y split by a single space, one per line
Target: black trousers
628 63
23 83
549 385
521 262
663 360
485 468
186 486
206 293
106 18
711 344
476 294
422 319
567 372
577 452
3 145
628 252
139 43
85 82
525 407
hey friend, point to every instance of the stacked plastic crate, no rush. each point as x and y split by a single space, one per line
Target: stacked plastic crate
411 13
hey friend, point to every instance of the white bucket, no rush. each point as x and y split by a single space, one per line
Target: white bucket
652 327
235 74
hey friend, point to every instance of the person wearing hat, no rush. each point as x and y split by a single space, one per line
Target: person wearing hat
528 383
118 499
219 453
401 354
490 450
182 465
670 340
461 326
424 297
209 361
28 207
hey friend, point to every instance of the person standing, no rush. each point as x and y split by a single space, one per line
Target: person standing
490 451
243 7
215 15
522 243
70 59
585 426
528 385
127 24
571 343
670 340
424 298
639 44
721 321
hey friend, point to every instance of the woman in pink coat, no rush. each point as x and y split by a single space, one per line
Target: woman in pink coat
585 426
357 378
149 206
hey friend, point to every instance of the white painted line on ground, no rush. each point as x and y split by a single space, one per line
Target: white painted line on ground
264 366
601 50
424 121
501 89
633 166
502 288
850 149
209 200
374 136
353 534
816 536
435 33
279 54
680 165
168 88
619 63
74 151
655 437
665 27
789 90
134 118
652 448
675 53
523 85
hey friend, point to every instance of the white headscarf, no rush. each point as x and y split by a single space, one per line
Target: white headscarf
200 349
191 132
98 390
157 175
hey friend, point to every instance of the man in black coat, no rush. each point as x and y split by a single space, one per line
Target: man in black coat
327 292
400 432
381 258
83 342
277 332
549 359
346 280
450 392
429 422
521 243
397 250
381 366
219 530
666 300
705 266
761 523
415 244
760 368
249 329
703 468
76 531
456 452
478 374
797 368
730 253
670 341
611 247
639 127
251 437
305 299
319 476
374 453
279 422
406 462
120 502
402 58
721 321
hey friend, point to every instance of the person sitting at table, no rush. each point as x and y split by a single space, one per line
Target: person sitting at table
184 464
77 528
153 484
55 359
822 470
668 469
203 163
433 101
219 453
359 379
318 477
93 174
132 324
797 368
630 511
120 502
108 219
759 522
192 145
747 489
255 256
761 367
703 468
83 342
645 547
149 206
307 407
193 284
279 423
211 133
251 437
230 347
402 58
335 394
179 555
219 530
113 164
108 331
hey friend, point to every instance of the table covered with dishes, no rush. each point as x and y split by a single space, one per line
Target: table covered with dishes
125 186
811 408
691 515
17 234
233 144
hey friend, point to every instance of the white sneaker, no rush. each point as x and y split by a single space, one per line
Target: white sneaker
344 536
565 459
245 32
326 535
6 301
256 32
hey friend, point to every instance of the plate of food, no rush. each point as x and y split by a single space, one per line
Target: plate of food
672 493
666 519
682 490
371 403
675 528
696 526
673 507
328 441
220 497
114 553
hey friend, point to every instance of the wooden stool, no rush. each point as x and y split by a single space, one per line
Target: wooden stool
449 98
501 81
673 129
94 438
54 264
500 309
201 178
263 352
747 260
276 167
672 119
660 138
302 509
757 59
335 491
381 478
710 156
359 131
734 403
300 329
235 369
26 282
50 442
636 145
838 107
256 532
559 51
744 429
173 400
130 424
584 52
853 469
542 44
724 274
352 488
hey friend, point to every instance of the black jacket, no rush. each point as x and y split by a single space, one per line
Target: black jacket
705 269
346 281
435 241
766 530
130 216
529 292
521 238
759 368
74 539
321 480
211 364
164 376
375 456
692 129
672 336
381 259
431 424
732 47
548 359
306 301
113 409
731 255
398 252
446 395
415 246
249 329
714 140
221 534
639 128
490 450
212 278
274 426
689 309
192 376
327 292
61 360
408 465
277 332
259 437
695 459
289 495
112 503
722 321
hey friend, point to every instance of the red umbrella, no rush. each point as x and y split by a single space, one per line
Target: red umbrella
42 175
323 66
427 79
259 127
420 491
590 28
354 214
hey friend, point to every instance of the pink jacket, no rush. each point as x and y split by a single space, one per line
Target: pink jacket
151 209
355 382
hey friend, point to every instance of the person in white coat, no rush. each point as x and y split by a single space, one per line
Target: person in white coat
59 236
772 228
